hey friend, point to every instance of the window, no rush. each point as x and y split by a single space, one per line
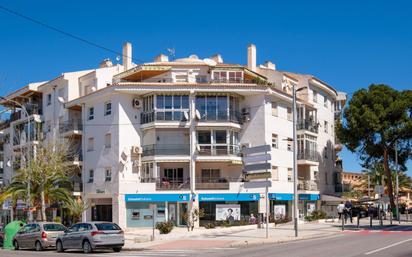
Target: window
331 129
315 96
90 114
48 99
325 125
48 126
290 116
171 107
325 151
90 144
107 108
108 175
108 140
274 109
235 76
290 142
91 176
290 174
220 76
325 101
210 175
275 174
181 78
274 141
147 175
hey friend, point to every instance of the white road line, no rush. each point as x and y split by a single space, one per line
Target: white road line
388 246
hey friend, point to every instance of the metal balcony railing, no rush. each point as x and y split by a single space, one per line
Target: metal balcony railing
218 150
166 149
308 155
309 125
172 184
164 115
71 126
230 116
221 183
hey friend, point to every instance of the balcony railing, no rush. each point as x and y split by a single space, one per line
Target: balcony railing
310 185
311 126
71 126
77 187
167 184
172 115
218 150
166 149
308 155
77 157
230 116
214 183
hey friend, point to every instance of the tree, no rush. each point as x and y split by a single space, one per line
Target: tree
76 207
377 120
48 178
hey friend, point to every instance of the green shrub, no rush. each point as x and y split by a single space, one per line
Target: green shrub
164 227
316 215
210 225
57 219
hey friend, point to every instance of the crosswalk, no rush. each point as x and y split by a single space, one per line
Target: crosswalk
160 253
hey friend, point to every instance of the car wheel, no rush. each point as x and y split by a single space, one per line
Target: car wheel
38 246
87 247
16 245
59 246
117 249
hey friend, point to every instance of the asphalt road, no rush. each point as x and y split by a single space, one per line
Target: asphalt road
389 243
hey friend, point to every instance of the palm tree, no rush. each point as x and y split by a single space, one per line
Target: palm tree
76 207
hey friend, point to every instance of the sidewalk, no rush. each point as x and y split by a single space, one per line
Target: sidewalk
220 237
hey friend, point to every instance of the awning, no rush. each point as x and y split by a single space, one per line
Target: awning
331 198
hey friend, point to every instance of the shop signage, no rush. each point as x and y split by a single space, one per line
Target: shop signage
260 167
258 176
309 197
281 196
228 197
228 212
157 197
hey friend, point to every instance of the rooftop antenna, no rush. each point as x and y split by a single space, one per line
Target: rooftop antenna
118 58
172 53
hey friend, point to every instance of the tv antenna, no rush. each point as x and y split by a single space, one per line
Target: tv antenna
172 53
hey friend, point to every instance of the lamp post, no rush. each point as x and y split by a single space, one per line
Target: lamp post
29 214
397 183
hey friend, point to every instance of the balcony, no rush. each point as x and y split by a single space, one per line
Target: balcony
308 125
153 116
222 116
308 155
76 158
308 185
218 150
165 184
73 127
166 149
214 183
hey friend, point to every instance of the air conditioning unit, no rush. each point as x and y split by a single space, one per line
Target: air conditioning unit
137 103
245 115
136 150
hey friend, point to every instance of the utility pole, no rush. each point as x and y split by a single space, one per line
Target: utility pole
295 168
397 183
28 141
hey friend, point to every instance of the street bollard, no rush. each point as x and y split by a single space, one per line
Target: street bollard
358 219
370 220
390 218
343 223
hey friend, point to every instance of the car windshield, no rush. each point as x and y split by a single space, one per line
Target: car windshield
54 227
107 226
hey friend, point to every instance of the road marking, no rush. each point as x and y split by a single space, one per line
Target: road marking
388 246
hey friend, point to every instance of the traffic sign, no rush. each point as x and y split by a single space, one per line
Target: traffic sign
258 184
256 167
257 149
258 176
257 158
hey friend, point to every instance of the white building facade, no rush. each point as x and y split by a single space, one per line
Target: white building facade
167 135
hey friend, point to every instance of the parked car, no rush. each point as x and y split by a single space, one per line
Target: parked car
361 209
39 235
1 235
90 236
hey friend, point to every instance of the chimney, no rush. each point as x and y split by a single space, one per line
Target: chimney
251 57
161 58
217 58
127 56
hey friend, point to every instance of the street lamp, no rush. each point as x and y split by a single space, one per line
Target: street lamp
29 214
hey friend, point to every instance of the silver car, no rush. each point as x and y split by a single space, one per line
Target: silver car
38 235
90 236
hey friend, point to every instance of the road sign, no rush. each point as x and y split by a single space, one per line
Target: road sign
379 189
258 184
258 176
257 149
256 167
257 158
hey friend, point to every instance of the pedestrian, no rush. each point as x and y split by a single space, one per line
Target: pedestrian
252 219
348 211
340 208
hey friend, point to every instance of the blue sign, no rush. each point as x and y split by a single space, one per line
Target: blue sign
309 197
228 197
280 196
157 198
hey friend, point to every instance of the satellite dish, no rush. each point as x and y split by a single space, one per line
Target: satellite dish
197 113
8 163
186 115
37 119
61 99
118 58
197 147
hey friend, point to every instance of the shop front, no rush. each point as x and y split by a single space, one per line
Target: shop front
281 206
307 204
228 207
141 209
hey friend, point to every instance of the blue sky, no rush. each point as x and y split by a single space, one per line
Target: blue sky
349 44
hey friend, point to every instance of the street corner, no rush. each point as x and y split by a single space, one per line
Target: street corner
192 244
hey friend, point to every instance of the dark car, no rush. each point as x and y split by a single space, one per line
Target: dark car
361 210
1 236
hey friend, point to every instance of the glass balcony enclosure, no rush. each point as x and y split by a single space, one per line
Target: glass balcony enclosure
218 108
164 108
307 148
218 142
307 119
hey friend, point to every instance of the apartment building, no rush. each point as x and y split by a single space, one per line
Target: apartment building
165 136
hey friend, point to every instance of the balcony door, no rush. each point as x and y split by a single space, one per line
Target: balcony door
173 175
210 175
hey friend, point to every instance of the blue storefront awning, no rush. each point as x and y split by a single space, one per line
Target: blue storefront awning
309 197
157 197
280 196
229 197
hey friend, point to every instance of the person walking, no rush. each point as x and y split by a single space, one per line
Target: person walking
348 211
340 209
